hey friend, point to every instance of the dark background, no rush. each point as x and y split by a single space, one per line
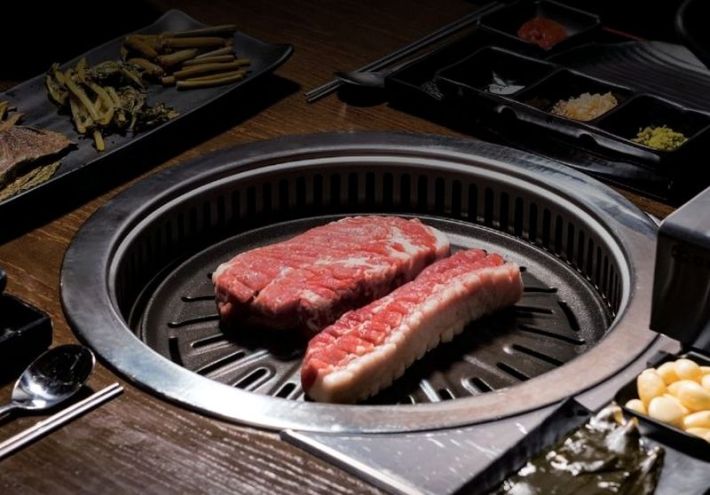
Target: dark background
35 35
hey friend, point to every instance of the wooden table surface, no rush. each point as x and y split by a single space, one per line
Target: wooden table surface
137 443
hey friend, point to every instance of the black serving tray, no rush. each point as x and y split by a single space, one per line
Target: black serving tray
445 86
25 332
30 98
689 444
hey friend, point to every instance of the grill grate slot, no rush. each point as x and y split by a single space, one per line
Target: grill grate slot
519 218
193 320
473 203
446 394
488 207
571 318
174 350
532 226
253 379
215 365
480 385
536 354
517 374
551 335
213 339
456 199
504 212
286 390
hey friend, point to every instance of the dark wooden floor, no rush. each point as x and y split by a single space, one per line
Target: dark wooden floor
139 444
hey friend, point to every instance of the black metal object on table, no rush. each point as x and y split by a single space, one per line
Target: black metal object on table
681 308
25 332
691 24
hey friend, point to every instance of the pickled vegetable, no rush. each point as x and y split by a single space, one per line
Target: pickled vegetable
198 58
106 98
605 455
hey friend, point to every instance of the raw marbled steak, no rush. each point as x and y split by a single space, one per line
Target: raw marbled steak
368 348
308 281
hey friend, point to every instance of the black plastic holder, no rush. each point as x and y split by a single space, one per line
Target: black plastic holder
25 332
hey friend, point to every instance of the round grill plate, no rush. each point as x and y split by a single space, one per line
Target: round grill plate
559 317
135 282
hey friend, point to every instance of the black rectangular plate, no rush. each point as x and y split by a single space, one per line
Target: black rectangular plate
30 97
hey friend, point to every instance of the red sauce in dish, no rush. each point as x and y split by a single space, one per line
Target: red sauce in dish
542 31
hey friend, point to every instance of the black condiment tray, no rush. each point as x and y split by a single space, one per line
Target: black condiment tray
612 131
434 87
689 444
25 332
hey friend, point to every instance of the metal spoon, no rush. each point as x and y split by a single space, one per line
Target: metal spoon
51 378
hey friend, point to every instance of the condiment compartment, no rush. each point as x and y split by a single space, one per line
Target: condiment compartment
25 332
579 25
417 78
646 111
491 72
536 103
664 432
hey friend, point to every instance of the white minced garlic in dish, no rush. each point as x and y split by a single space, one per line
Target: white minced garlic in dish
586 106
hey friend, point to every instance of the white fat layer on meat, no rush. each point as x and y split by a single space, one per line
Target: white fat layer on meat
313 298
442 244
220 270
376 268
410 249
353 262
376 271
439 318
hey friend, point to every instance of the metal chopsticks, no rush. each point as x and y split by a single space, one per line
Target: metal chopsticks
53 422
405 51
